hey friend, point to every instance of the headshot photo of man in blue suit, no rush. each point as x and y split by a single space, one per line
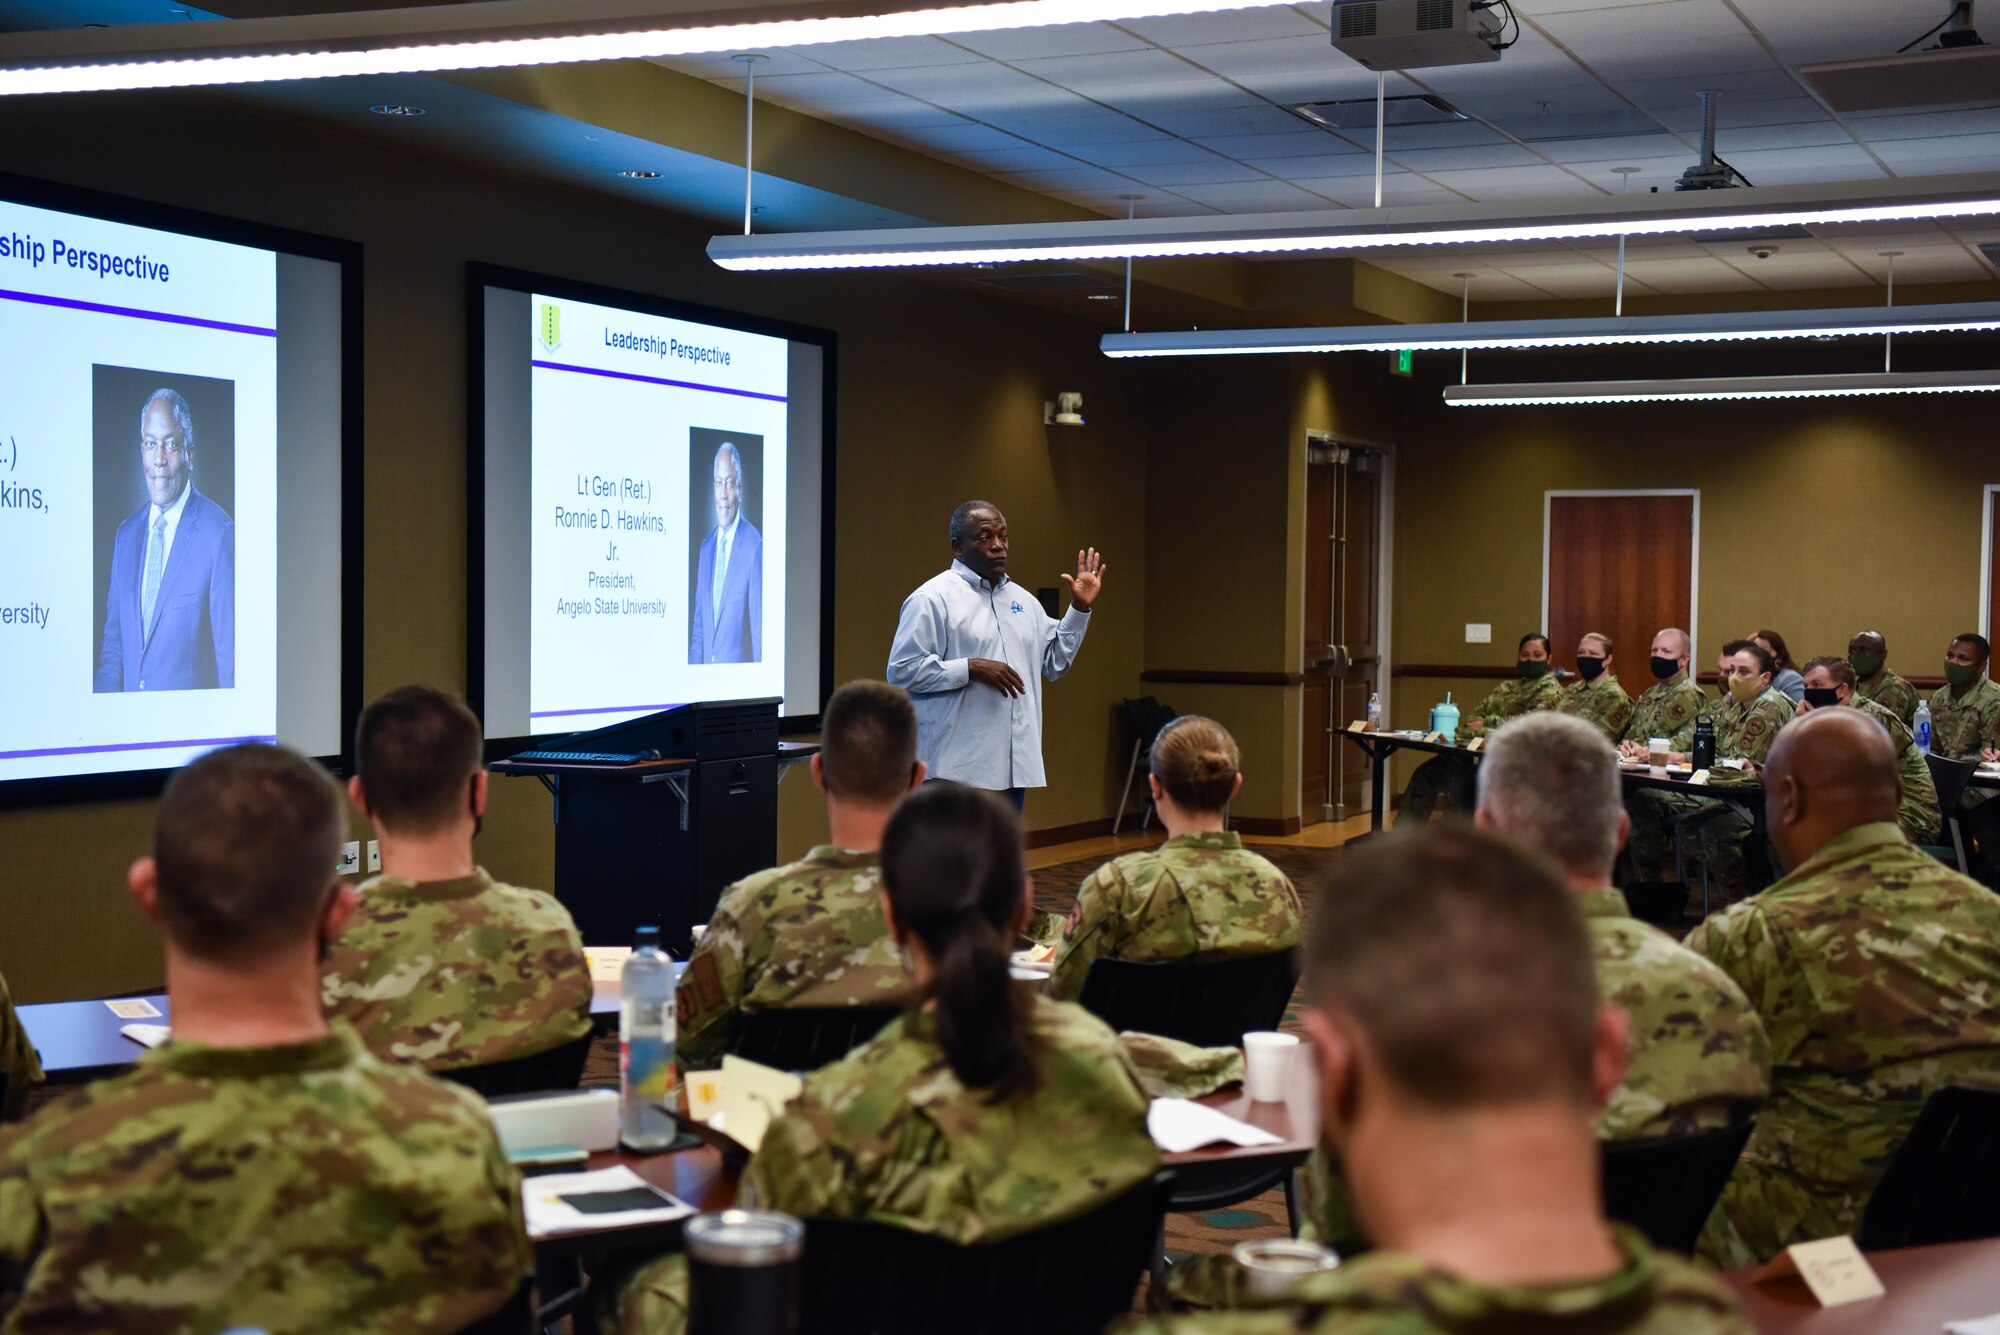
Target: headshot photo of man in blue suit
170 611
729 575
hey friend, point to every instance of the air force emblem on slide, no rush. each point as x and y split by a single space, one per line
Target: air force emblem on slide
548 326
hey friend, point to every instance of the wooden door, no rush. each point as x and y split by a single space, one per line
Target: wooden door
1342 660
1622 565
1992 571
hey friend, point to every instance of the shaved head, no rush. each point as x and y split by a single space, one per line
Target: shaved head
1828 772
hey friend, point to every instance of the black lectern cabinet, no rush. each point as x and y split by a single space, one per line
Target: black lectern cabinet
655 839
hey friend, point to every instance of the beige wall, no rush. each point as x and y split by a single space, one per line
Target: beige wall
940 398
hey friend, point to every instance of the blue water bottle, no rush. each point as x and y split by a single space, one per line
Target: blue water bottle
646 1045
1921 726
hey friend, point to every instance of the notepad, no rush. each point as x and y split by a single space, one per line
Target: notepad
1833 1269
572 1202
607 963
1180 1125
146 1035
752 1094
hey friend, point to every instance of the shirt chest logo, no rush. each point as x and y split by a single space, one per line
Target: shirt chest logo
1016 608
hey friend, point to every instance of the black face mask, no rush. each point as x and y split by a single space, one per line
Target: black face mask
1590 669
1665 667
1822 697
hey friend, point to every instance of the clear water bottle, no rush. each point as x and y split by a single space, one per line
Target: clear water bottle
1921 725
1375 711
646 1045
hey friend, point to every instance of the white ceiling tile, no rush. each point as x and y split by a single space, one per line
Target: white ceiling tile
1449 159
1313 168
1912 125
1686 276
1208 120
778 62
1940 157
1096 126
1068 178
965 137
1674 100
1065 39
1831 162
1449 134
826 88
1154 205
1024 158
1251 196
1620 150
1212 172
1106 76
1767 137
1513 183
1398 189
1261 59
904 113
890 53
1299 143
1239 25
1147 153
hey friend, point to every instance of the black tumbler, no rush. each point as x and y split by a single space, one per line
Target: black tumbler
1704 744
743 1273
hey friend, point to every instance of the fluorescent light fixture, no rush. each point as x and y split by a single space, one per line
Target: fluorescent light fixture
1722 389
507 33
1756 209
1608 331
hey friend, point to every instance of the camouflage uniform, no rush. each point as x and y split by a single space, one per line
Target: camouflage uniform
1742 732
1197 896
1450 777
1918 814
1602 702
888 1134
1698 1051
1893 694
1961 726
18 1062
1667 710
302 1189
808 934
458 973
1877 972
1383 1293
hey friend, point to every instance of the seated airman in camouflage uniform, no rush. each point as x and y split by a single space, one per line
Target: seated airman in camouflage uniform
1877 971
986 1111
1597 698
1699 1058
1199 896
811 933
1868 654
1669 707
1448 779
1831 681
1745 726
261 1169
18 1062
1462 1050
1965 711
441 964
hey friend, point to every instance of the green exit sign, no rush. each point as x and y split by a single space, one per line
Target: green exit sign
1402 361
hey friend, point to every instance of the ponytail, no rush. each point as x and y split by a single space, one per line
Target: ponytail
951 861
1196 761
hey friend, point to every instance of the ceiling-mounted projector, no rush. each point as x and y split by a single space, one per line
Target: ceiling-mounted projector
1417 34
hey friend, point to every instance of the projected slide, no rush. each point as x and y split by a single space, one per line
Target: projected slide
651 508
138 494
659 497
174 566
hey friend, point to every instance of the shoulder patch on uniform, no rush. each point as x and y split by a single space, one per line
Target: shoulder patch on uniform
701 984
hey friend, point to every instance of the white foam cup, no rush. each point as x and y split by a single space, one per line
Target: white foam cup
1267 1064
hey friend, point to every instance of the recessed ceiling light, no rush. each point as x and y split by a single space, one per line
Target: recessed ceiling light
639 174
396 109
1358 113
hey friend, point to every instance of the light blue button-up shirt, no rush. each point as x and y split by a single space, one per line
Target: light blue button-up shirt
973 733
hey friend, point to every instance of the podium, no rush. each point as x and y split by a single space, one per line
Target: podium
656 840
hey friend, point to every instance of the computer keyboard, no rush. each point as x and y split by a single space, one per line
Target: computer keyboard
583 757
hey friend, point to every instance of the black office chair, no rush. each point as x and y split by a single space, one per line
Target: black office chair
516 1318
1209 1002
1943 1185
1666 1187
1070 1278
805 1038
554 1068
1144 718
1950 778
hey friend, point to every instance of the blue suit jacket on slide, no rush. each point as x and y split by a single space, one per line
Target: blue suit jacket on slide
738 637
193 644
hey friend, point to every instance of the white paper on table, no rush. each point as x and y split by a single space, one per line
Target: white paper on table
146 1035
753 1094
1976 1325
607 963
547 1215
1180 1125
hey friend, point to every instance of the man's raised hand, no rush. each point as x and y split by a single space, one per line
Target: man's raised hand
1089 578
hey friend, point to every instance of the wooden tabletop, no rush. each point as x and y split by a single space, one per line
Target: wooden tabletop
1926 1287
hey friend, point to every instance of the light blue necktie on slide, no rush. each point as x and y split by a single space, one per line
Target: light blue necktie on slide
721 571
156 556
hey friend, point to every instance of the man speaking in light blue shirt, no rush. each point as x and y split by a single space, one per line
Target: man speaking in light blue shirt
972 648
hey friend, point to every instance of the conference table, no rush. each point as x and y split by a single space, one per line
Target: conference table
79 1041
1924 1288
